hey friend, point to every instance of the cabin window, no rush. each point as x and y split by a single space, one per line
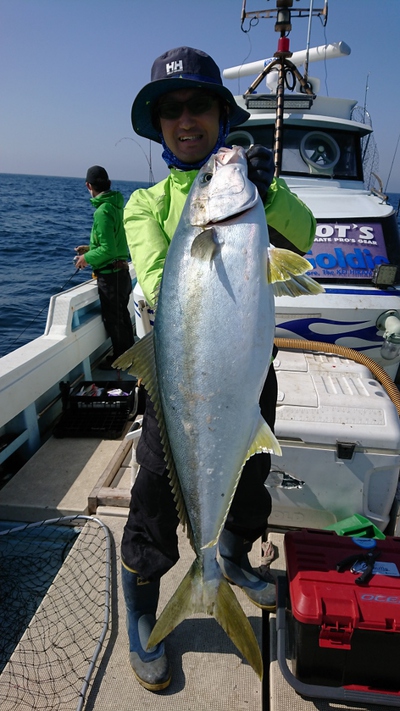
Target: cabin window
316 152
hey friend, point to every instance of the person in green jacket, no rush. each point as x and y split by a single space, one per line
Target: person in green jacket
108 256
187 109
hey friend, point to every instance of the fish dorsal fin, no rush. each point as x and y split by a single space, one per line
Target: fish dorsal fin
287 273
204 246
140 359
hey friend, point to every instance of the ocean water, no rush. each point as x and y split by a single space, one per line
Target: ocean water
42 219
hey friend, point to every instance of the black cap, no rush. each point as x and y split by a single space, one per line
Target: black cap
180 68
97 175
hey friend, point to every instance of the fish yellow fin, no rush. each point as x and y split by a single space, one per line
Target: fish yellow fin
204 246
140 359
287 273
264 441
190 598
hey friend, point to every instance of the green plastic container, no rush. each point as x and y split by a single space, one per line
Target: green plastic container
356 526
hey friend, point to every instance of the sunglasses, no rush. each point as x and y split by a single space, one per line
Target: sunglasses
196 105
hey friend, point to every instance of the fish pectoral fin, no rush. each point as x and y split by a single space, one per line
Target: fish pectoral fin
287 273
204 246
189 599
264 441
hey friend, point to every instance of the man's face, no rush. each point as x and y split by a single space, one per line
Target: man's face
193 134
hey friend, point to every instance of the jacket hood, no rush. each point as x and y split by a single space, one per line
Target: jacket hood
112 197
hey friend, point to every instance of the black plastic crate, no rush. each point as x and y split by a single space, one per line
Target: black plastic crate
105 423
110 395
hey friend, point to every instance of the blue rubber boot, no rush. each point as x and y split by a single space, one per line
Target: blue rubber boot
233 560
150 666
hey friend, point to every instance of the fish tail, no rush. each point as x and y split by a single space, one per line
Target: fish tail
189 599
234 622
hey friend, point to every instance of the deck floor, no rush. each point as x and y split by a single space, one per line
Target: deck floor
208 672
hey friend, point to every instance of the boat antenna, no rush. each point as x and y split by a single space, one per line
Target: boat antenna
287 71
392 163
308 40
322 14
365 94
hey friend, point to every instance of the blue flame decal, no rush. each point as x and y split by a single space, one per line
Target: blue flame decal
301 328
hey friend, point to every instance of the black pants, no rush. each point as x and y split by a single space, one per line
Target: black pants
114 291
149 543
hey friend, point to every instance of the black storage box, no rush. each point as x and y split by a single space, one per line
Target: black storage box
97 409
117 395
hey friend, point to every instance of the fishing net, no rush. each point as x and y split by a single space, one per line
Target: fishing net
54 611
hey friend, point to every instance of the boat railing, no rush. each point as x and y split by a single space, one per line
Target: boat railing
68 309
73 342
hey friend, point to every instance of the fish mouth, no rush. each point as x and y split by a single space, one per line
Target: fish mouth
220 220
229 218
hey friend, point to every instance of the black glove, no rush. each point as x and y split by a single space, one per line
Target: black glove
260 166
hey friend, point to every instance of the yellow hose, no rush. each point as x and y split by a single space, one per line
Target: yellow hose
379 373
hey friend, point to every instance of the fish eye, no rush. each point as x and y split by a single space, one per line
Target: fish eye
206 178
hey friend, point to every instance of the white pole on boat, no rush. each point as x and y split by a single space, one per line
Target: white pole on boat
315 54
308 40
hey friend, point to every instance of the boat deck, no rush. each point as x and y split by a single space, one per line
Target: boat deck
208 673
207 670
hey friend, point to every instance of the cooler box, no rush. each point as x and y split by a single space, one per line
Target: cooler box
344 634
340 438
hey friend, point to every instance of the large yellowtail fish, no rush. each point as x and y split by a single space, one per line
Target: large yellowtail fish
204 366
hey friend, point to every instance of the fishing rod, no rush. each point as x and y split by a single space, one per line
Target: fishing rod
38 314
148 159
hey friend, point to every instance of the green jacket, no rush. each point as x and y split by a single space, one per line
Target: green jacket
152 215
107 238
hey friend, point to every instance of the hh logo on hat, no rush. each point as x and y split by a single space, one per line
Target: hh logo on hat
172 67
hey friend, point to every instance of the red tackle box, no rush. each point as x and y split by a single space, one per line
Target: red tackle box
345 634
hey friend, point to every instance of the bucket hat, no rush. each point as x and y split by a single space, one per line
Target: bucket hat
180 68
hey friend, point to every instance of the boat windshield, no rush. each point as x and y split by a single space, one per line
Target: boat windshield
316 152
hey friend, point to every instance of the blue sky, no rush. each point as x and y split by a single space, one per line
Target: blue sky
71 69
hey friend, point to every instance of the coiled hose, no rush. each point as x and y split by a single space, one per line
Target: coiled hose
379 373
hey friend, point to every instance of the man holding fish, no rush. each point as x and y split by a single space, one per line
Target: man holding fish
210 362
